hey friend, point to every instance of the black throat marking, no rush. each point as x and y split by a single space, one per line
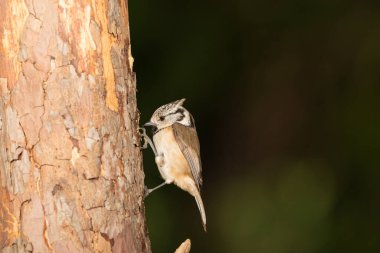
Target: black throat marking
158 130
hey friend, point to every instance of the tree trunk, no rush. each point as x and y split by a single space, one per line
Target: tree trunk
71 176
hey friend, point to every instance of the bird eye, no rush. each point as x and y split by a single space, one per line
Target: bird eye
162 118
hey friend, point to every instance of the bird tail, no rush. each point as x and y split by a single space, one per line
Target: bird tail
201 208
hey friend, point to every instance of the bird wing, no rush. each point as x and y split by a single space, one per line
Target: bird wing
188 142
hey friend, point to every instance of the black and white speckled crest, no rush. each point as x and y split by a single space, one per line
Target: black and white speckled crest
169 108
171 113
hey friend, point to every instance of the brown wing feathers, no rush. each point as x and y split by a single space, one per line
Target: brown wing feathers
188 142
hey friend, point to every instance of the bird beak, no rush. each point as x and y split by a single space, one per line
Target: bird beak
151 124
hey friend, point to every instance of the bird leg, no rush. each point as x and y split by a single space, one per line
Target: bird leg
147 140
149 191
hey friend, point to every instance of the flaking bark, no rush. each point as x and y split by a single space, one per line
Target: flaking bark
71 176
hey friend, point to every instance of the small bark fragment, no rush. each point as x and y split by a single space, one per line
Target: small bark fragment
184 247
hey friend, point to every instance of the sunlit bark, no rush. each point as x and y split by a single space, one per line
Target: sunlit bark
71 176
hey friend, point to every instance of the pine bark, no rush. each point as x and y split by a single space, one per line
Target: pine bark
71 177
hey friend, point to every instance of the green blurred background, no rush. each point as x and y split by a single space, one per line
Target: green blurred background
286 98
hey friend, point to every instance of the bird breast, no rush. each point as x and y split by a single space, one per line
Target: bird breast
174 163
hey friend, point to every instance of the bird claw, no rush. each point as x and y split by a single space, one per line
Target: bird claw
144 137
146 191
146 140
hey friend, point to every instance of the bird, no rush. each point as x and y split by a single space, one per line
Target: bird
177 150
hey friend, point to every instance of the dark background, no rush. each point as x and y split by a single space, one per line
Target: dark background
286 98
